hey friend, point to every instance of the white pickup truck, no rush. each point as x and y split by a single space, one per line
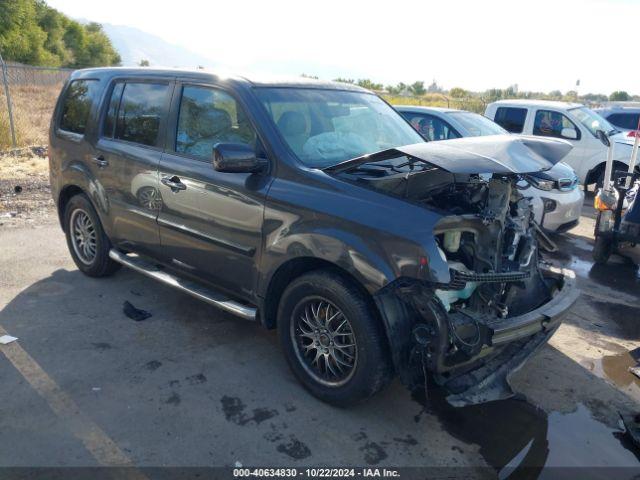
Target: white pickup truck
570 121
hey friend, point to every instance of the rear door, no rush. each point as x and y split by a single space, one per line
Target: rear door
210 222
128 154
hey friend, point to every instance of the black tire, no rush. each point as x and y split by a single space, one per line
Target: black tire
99 264
599 180
602 250
372 368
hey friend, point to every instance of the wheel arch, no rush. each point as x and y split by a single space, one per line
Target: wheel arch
78 179
66 194
594 173
294 268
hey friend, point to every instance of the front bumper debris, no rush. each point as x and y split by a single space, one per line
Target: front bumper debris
422 342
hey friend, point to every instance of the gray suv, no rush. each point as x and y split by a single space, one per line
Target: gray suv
316 209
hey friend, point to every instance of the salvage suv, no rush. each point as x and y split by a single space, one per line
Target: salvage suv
316 209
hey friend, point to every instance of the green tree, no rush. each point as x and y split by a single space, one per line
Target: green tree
458 92
595 97
31 32
417 88
619 96
368 84
145 63
344 80
572 95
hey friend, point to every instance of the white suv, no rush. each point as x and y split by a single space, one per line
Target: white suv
570 121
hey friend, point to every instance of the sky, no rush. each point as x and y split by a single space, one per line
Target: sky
540 45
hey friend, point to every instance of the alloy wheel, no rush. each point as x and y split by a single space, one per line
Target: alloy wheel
83 236
324 341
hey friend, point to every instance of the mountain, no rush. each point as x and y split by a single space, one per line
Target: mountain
134 45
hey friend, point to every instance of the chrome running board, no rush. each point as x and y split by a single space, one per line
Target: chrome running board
192 288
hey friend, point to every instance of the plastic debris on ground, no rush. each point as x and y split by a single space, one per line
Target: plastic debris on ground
134 313
5 339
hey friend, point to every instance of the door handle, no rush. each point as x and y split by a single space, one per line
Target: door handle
100 161
173 183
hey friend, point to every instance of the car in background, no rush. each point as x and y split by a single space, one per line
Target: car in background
573 122
625 116
555 194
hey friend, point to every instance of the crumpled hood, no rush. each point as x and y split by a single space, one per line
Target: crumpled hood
501 154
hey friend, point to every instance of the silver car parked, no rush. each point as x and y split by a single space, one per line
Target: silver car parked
555 194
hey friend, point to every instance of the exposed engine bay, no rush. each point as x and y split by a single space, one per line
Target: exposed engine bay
488 238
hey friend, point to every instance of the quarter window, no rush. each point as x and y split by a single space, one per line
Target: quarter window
432 128
209 116
137 109
554 124
77 105
627 121
511 119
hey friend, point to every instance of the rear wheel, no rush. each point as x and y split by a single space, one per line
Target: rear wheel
88 244
602 249
332 339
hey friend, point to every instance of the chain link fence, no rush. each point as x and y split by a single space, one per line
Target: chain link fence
28 95
27 98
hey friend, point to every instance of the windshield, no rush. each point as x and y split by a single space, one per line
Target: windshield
325 127
477 125
592 121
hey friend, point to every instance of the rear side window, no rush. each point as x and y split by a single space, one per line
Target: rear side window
209 116
628 121
511 119
76 106
135 112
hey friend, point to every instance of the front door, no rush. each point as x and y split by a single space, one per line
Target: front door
127 156
210 222
551 123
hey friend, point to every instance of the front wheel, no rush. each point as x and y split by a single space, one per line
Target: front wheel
332 339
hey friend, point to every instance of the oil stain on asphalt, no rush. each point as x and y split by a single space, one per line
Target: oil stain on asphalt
515 437
294 448
625 317
234 411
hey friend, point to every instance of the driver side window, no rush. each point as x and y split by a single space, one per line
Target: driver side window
554 124
432 128
209 116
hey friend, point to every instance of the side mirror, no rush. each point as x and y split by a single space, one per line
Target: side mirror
603 137
569 133
237 158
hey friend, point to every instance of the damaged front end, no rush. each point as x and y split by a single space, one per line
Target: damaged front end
501 303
